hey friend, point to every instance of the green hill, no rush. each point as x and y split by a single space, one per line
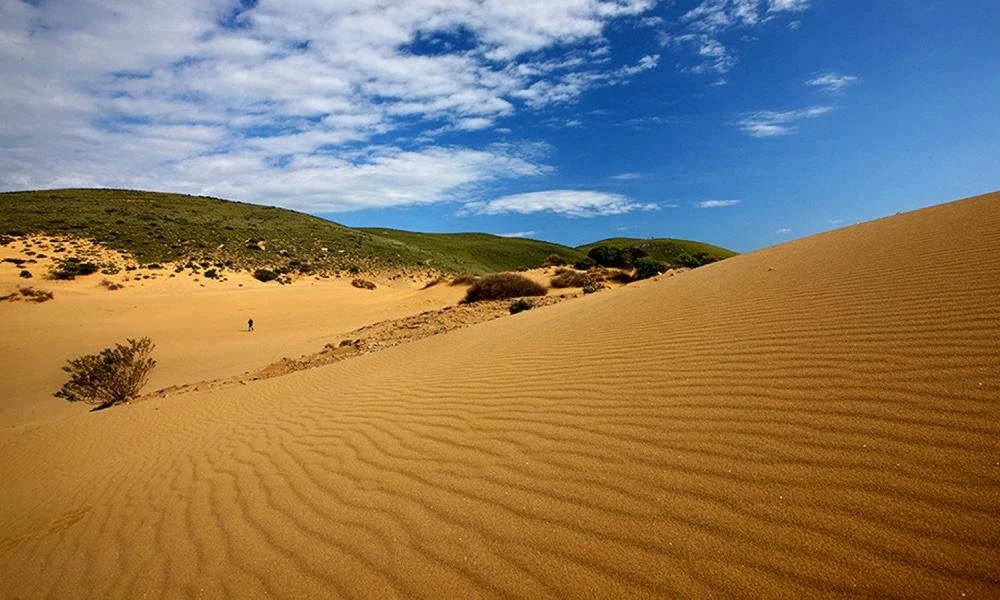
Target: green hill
157 227
479 253
680 253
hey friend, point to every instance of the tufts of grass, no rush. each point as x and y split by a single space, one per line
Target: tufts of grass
499 286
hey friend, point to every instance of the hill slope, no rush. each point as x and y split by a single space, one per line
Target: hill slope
680 253
158 227
479 253
813 420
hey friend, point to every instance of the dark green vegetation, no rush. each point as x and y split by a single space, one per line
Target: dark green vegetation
157 227
200 233
503 285
480 253
113 376
675 253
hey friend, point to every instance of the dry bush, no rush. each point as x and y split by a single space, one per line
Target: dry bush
503 285
571 279
115 375
521 305
436 281
464 279
363 284
111 285
30 294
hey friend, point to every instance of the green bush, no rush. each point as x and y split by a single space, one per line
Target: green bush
210 273
648 267
585 263
503 285
70 268
115 375
620 258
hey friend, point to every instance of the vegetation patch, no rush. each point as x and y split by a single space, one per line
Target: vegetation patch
521 305
499 286
362 284
571 279
29 294
113 376
72 267
648 267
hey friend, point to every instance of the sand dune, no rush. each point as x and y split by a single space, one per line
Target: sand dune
811 420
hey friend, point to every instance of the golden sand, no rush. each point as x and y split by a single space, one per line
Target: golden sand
815 419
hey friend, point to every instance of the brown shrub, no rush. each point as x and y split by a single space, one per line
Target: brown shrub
115 375
363 284
464 279
111 285
571 279
503 285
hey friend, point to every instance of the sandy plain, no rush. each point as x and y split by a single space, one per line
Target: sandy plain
815 419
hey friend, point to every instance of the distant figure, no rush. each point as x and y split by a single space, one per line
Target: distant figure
250 325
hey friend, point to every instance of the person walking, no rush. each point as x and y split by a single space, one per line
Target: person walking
250 325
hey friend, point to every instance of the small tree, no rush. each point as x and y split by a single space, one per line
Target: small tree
113 376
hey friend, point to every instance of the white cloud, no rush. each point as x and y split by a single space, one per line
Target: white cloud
626 176
832 82
272 103
783 230
773 123
718 203
517 234
788 6
702 29
570 203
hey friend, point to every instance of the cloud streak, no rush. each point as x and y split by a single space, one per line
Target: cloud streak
770 123
570 203
832 82
718 203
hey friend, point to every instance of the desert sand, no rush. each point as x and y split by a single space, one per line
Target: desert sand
816 419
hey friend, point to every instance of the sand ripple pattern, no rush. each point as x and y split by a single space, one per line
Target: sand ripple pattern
817 419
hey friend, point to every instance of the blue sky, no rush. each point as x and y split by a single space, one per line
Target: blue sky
743 123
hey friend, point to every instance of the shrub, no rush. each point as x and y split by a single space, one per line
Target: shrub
648 267
32 295
25 274
584 263
71 267
605 256
553 260
571 279
115 375
594 287
363 284
503 285
111 285
686 260
210 273
520 305
464 279
264 275
621 258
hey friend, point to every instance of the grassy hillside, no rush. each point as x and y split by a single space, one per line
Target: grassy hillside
479 252
157 227
672 252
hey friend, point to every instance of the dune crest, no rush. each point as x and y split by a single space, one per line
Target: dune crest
814 419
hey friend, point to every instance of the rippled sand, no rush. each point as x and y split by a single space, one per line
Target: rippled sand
819 418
